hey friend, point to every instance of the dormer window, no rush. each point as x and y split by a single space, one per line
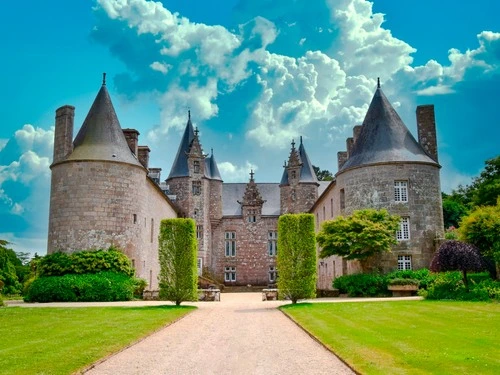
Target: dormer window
196 166
252 216
294 174
196 187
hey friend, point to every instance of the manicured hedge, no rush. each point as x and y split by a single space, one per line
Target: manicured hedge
177 252
98 287
296 257
82 262
362 285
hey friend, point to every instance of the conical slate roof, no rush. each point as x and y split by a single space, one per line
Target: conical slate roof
101 136
306 171
384 138
211 169
180 167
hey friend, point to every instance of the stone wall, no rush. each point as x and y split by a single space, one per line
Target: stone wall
252 259
373 187
297 198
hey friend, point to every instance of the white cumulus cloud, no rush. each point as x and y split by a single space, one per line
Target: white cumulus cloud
236 173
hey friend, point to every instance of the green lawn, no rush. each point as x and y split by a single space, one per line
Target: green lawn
407 337
62 340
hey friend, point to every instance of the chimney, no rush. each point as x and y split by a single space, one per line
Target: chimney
63 133
143 156
426 126
349 144
341 159
132 137
355 132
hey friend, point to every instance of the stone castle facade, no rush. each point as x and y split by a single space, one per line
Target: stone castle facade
104 193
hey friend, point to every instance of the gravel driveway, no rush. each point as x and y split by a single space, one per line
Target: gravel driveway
239 335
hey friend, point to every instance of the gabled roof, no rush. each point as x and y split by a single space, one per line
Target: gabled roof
211 169
384 138
234 192
180 167
101 136
306 170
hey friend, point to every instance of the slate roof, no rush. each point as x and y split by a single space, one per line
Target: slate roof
211 169
180 167
384 138
101 136
306 171
233 192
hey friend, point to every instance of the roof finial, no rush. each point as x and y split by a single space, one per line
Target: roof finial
378 82
189 113
293 144
300 139
212 151
251 174
196 131
104 79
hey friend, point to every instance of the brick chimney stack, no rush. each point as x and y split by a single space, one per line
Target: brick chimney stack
426 126
144 155
63 133
132 137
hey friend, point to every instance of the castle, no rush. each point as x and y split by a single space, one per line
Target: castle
104 193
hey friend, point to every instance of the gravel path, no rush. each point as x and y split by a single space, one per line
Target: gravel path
239 335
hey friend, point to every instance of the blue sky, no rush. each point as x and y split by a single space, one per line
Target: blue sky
255 74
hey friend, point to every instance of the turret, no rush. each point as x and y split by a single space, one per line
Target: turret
299 184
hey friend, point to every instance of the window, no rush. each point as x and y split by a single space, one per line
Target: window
134 216
252 216
404 262
401 191
403 232
199 266
331 207
272 243
196 166
199 231
324 213
294 174
342 199
152 230
196 187
229 274
273 274
230 238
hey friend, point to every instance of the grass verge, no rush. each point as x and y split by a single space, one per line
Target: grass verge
63 340
407 337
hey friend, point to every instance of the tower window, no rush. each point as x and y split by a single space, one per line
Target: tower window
199 231
403 233
196 166
152 229
272 243
401 191
342 199
134 217
230 244
196 187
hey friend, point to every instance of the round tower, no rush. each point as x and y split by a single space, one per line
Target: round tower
385 167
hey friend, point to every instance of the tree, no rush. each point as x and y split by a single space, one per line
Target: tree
453 211
359 236
482 229
296 257
323 174
8 275
486 187
177 255
457 256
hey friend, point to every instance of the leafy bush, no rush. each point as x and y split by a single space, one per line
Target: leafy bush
139 286
450 286
403 282
362 285
478 277
424 276
99 287
84 262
